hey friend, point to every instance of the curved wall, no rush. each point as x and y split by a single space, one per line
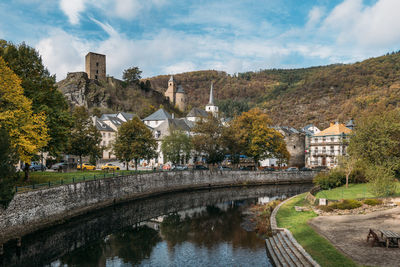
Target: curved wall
33 210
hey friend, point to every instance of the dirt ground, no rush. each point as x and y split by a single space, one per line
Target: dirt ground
349 233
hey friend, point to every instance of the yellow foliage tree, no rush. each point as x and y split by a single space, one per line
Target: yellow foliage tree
259 140
28 132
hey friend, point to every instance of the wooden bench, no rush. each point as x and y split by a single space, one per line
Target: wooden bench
377 238
390 238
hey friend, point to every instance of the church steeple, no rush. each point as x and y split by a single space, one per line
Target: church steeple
211 102
211 107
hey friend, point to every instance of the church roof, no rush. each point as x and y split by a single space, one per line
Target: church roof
334 129
171 79
196 112
180 89
159 115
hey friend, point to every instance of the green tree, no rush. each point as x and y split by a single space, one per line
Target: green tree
231 143
207 139
40 87
132 75
27 131
376 143
259 140
7 170
176 146
85 138
134 141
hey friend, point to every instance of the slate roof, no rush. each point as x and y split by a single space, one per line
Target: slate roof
101 126
180 89
159 115
196 112
172 124
116 121
286 129
128 116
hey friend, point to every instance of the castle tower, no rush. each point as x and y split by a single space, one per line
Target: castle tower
211 107
180 98
95 66
170 93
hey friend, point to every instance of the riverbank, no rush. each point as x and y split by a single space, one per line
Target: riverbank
32 210
319 248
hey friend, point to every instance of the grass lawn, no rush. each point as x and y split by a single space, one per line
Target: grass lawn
66 177
318 247
354 191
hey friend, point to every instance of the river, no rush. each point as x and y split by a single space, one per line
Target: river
196 228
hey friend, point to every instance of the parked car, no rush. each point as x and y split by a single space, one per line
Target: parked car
245 168
305 169
269 169
166 167
200 167
179 167
292 169
224 168
109 166
86 166
59 166
37 166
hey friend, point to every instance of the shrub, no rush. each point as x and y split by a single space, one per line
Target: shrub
347 204
331 179
373 201
357 176
382 179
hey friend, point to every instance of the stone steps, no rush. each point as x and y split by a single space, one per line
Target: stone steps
284 251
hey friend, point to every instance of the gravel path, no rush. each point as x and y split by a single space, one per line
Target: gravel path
349 233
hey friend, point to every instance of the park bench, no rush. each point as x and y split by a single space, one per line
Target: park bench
384 237
377 239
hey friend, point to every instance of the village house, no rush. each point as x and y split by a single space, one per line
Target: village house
328 145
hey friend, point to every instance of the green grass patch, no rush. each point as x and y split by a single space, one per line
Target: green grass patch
318 247
354 191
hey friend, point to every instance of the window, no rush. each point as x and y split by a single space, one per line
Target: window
109 135
294 147
97 71
97 64
95 76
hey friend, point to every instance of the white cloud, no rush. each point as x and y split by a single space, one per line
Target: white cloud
373 27
72 8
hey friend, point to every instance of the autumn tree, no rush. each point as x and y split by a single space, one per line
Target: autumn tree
376 143
207 139
231 143
259 140
27 131
176 146
132 75
134 141
84 137
40 87
7 169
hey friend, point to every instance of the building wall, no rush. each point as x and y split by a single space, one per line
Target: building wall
325 150
180 100
295 144
170 93
96 66
107 138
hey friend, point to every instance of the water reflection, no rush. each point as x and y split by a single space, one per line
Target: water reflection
192 228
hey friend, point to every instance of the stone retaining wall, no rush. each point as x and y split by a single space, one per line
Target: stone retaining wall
32 210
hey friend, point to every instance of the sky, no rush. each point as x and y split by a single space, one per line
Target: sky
174 36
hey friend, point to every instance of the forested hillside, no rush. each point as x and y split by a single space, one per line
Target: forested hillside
297 97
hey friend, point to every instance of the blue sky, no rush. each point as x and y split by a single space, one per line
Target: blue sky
166 37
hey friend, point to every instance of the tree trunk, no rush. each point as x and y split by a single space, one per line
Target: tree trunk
135 164
80 162
26 171
127 165
347 179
